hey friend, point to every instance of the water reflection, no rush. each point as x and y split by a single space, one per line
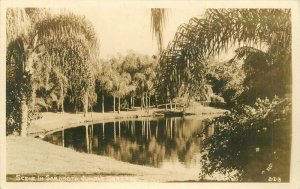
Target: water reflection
151 142
176 144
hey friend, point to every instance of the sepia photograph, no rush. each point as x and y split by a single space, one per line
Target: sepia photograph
149 93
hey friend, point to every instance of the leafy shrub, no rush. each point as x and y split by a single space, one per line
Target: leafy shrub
253 142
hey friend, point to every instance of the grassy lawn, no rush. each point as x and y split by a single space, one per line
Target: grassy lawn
31 157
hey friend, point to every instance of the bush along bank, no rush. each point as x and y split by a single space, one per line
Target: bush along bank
257 135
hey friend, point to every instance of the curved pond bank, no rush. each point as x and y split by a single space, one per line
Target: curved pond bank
54 121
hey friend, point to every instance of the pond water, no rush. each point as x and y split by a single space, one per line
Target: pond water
175 144
167 143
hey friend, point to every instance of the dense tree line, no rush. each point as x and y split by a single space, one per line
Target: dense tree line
130 77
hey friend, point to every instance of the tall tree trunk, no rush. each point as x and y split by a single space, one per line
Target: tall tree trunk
87 138
119 107
91 111
146 99
149 102
133 101
156 129
24 118
62 106
171 107
166 104
142 101
62 97
102 102
114 104
175 105
86 104
24 107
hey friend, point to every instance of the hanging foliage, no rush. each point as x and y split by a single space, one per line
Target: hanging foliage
158 22
57 52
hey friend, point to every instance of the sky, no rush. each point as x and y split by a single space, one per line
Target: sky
120 30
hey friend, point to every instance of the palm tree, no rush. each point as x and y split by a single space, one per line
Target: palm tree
18 29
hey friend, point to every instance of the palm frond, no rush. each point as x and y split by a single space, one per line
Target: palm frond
184 59
158 22
17 24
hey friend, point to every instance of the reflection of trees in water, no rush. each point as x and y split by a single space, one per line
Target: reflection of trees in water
144 142
74 138
187 151
150 142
